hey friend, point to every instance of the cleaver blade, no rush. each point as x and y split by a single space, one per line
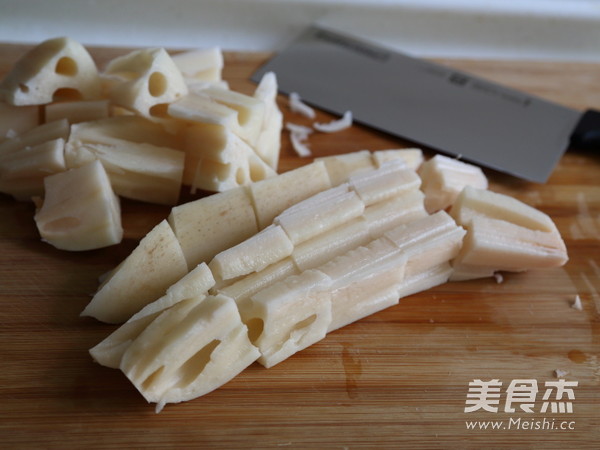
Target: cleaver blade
447 110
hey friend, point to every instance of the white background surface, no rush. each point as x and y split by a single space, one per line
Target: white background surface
528 29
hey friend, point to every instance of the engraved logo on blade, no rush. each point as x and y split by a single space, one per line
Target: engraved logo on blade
462 80
458 78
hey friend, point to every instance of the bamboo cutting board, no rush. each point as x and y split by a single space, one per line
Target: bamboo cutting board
398 378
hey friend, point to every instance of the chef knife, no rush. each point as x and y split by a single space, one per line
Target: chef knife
445 109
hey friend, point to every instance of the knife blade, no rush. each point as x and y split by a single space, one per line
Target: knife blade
447 110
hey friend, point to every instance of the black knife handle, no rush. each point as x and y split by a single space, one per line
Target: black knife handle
586 135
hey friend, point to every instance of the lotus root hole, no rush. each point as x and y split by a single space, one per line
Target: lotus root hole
157 84
66 66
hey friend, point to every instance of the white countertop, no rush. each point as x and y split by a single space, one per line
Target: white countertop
509 29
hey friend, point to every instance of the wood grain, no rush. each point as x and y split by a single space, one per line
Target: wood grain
396 379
